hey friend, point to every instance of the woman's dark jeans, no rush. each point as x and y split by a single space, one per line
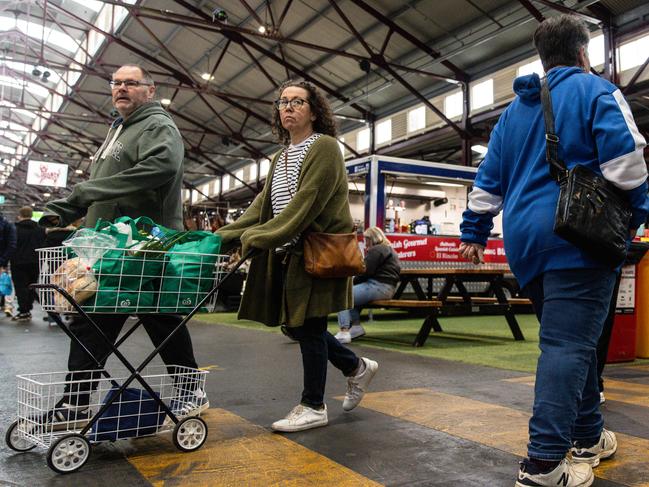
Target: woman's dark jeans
317 346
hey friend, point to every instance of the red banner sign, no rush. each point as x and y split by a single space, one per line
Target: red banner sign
441 249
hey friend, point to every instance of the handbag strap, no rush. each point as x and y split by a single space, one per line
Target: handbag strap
558 168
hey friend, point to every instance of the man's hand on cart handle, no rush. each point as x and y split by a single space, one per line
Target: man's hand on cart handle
472 252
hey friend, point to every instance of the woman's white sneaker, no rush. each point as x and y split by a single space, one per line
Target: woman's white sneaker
343 336
356 331
301 418
566 474
357 385
603 449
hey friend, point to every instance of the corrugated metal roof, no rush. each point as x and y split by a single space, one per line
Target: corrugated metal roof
471 36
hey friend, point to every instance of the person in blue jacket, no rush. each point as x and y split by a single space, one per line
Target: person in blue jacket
570 291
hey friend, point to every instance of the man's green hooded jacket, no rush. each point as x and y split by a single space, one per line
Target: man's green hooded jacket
138 171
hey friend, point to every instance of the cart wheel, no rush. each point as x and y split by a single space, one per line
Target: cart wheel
190 434
68 454
14 441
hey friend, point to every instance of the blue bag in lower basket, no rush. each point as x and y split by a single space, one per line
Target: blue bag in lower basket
134 413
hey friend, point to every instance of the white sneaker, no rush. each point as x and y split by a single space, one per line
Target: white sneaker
343 336
188 404
357 385
301 418
603 449
567 474
356 331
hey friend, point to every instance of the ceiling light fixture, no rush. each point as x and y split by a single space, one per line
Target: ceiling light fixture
207 76
165 101
78 171
47 195
262 29
220 15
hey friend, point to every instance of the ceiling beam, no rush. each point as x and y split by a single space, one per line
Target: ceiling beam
173 71
536 13
460 75
565 10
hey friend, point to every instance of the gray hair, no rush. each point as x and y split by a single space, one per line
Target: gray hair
558 40
146 76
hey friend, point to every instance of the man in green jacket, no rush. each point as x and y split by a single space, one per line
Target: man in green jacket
137 171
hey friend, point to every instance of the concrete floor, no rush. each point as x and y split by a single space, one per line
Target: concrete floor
426 422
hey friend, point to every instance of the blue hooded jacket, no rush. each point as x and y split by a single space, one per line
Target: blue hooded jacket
596 129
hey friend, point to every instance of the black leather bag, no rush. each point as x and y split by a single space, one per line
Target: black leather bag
592 213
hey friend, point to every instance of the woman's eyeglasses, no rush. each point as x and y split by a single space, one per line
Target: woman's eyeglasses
295 103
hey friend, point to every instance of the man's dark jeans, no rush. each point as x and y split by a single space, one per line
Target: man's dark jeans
317 346
571 306
178 350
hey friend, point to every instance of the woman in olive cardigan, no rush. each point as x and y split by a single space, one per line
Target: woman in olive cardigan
306 190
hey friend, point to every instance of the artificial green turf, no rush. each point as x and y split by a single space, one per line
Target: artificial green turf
480 340
483 340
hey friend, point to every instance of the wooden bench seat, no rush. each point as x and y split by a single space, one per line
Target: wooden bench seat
404 303
488 300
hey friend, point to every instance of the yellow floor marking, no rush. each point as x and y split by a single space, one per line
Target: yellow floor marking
211 367
498 427
615 390
630 366
238 452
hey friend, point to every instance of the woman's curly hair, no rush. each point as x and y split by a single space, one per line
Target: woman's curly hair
324 122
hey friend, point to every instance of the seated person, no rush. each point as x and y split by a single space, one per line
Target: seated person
378 282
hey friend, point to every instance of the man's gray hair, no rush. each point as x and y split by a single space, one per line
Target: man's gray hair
558 40
146 76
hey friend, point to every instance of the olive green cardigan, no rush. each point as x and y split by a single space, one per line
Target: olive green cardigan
320 204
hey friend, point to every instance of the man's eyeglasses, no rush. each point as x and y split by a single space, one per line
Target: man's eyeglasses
295 103
129 83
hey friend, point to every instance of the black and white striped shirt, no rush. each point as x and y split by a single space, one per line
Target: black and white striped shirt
286 175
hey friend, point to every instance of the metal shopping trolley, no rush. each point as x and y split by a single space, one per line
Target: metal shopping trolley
119 281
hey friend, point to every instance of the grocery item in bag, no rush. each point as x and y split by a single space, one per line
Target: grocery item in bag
77 279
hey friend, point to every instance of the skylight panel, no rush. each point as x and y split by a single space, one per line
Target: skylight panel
27 85
93 5
36 31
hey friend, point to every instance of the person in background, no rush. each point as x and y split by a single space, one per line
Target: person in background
137 171
379 281
306 190
7 248
24 262
571 291
54 236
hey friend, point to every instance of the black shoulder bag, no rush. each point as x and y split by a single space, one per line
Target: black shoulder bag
592 213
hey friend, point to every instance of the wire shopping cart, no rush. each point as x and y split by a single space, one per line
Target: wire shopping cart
127 282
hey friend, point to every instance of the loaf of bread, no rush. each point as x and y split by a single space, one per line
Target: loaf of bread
70 270
77 280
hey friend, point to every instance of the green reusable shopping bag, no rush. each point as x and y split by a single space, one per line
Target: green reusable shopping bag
189 272
126 280
109 300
